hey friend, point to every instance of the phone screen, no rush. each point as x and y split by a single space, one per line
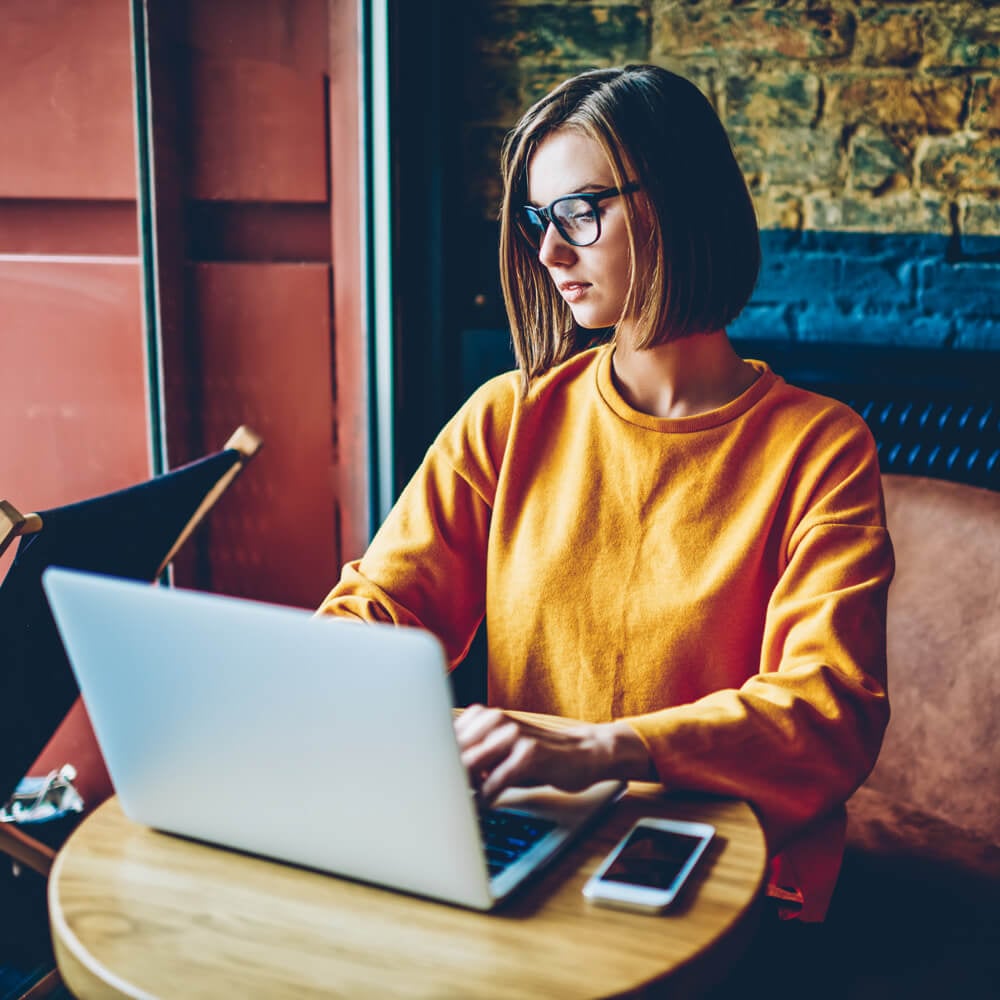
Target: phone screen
652 857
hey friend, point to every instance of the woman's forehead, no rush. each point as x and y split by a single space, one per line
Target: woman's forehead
565 162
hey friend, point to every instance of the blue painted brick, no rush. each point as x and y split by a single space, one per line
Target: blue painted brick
862 327
876 283
798 277
762 322
903 246
882 288
978 246
960 289
780 241
978 334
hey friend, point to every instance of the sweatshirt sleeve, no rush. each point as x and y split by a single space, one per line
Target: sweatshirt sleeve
426 566
800 736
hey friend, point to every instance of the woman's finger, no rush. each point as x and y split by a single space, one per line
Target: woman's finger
514 769
496 744
475 723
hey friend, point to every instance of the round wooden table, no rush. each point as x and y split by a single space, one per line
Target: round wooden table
138 913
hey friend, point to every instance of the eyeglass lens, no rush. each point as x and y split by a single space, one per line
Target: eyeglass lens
575 219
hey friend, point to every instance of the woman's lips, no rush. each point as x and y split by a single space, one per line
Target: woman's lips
571 291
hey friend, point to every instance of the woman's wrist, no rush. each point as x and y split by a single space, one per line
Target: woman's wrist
621 754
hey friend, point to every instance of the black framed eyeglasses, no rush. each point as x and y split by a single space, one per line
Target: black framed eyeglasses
577 217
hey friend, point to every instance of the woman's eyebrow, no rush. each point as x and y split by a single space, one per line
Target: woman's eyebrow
582 189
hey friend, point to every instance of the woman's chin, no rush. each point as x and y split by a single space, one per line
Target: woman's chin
592 319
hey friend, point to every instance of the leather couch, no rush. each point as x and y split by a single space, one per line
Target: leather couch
917 909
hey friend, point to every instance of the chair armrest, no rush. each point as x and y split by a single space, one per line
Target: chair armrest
26 850
245 440
13 524
246 443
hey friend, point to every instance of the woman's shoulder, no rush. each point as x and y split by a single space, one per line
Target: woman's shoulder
507 393
477 433
492 402
828 451
805 408
818 441
482 428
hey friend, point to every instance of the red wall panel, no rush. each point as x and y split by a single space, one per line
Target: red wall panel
243 194
72 381
286 32
257 132
73 373
66 100
265 360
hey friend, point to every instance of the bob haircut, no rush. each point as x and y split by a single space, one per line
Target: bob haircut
692 231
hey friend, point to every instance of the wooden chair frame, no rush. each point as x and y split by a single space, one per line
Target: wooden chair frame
13 524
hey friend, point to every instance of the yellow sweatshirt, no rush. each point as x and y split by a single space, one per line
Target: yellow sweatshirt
719 581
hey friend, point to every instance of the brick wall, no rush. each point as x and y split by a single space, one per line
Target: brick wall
869 134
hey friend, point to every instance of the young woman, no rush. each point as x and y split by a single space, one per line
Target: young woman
668 542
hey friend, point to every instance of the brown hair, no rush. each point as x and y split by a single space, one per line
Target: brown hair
699 259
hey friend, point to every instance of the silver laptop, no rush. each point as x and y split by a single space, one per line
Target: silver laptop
321 742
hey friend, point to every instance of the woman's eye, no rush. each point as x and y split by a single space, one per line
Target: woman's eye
580 216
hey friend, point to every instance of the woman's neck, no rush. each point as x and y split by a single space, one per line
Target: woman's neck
683 377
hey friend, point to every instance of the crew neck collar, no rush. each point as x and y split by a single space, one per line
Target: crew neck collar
680 425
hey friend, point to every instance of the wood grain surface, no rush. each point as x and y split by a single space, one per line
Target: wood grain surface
139 913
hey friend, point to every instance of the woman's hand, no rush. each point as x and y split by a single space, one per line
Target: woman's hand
500 751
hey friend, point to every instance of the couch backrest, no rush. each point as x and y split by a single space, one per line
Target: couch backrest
942 747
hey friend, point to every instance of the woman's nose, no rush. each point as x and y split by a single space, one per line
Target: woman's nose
554 249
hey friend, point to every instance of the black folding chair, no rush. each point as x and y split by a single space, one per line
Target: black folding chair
134 533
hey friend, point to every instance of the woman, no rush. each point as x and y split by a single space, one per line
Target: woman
667 541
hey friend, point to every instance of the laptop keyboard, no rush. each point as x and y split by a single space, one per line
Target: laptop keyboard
508 834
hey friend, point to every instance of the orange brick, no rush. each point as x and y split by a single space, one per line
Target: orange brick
984 107
922 104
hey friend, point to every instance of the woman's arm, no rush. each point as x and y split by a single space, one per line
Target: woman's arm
426 566
800 736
